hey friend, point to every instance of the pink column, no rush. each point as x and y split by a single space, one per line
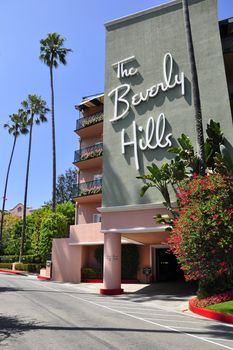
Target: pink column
112 264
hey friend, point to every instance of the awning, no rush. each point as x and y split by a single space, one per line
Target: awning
91 101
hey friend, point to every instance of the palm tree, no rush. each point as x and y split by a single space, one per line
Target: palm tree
195 89
16 127
36 110
52 53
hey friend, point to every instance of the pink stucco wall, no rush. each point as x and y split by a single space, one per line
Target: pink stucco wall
86 233
130 219
66 261
88 256
85 142
86 211
88 174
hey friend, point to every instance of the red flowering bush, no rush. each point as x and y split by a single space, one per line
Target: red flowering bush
202 235
214 299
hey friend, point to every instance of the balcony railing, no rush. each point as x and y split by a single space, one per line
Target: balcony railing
87 188
93 151
90 120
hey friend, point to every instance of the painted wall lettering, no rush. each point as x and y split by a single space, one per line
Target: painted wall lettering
121 93
154 136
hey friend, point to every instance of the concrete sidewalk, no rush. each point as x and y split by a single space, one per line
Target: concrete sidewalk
166 295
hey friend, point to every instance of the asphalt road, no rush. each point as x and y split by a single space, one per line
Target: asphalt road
46 315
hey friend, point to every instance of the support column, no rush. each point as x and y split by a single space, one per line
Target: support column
112 264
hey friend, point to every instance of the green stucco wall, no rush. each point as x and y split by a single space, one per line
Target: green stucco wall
148 36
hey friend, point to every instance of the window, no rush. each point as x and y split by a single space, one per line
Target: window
96 217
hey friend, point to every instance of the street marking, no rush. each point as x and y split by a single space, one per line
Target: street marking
144 320
174 320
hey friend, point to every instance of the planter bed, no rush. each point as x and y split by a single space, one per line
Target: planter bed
214 315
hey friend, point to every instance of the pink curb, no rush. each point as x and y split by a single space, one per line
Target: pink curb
214 315
43 278
12 272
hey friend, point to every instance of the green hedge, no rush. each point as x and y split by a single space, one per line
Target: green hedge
25 258
6 266
35 268
89 272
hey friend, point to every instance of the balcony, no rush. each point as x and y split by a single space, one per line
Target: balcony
86 126
90 152
88 191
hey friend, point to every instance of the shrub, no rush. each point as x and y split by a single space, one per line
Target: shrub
9 258
34 268
202 235
6 266
53 226
90 272
214 299
25 258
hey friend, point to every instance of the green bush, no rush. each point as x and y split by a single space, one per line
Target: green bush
25 258
89 272
34 268
53 226
5 266
9 258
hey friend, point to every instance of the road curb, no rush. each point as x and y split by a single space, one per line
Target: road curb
13 272
44 278
214 315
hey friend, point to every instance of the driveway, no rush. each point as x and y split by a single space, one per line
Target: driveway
46 315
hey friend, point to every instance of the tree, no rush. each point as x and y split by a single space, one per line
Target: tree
53 226
8 235
36 110
16 127
52 52
64 187
195 89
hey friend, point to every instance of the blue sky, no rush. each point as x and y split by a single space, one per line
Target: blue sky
22 24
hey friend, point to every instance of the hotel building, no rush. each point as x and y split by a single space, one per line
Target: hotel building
147 104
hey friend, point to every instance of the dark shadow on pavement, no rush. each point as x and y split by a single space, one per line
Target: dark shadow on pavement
11 326
164 291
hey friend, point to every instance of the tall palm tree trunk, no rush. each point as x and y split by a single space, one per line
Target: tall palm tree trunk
53 141
26 193
6 184
195 89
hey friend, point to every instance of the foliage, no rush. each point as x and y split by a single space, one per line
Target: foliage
204 229
91 272
225 307
64 186
52 51
8 227
25 258
6 266
13 227
16 126
34 268
214 299
53 226
68 210
90 120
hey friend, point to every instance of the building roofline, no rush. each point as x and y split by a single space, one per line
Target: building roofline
142 13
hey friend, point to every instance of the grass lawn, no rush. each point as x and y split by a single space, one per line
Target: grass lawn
225 308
